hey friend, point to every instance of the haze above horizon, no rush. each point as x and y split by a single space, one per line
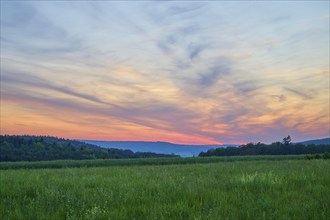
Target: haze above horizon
180 72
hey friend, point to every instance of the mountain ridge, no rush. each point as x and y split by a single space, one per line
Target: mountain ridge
184 150
316 141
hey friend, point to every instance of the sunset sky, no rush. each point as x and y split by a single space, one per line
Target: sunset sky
178 71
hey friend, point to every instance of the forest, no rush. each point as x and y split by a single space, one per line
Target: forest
277 148
35 148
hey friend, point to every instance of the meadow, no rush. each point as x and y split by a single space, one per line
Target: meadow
249 188
138 161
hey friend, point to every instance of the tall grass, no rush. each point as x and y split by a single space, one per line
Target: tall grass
287 189
140 161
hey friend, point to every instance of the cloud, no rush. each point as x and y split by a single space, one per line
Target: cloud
213 74
281 18
184 8
280 98
195 49
176 39
204 71
166 11
14 79
154 113
244 55
247 86
299 93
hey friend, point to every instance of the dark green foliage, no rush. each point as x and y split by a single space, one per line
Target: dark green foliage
33 148
276 148
287 140
325 156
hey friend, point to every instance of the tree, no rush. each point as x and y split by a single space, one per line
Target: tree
287 140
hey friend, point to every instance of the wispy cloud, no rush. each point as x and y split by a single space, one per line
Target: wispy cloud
190 72
299 93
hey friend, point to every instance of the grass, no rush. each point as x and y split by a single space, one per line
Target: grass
250 189
139 161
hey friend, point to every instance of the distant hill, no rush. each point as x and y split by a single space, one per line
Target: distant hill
156 147
316 142
34 148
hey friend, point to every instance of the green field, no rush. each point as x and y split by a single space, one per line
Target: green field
227 189
139 161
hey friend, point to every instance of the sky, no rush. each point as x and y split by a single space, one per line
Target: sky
189 72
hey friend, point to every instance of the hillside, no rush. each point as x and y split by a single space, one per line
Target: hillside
316 142
34 148
157 147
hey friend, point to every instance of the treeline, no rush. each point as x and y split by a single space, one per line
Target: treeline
325 156
276 148
35 148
